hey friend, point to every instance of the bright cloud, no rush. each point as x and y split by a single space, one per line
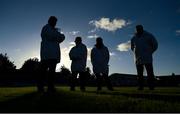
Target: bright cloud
112 54
92 36
178 32
109 25
74 33
92 31
72 43
124 46
89 54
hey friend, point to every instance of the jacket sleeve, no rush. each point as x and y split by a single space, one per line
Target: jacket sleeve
92 56
72 54
154 44
132 45
107 56
85 52
52 35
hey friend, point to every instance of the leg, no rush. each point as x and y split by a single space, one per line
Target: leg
73 80
51 75
99 81
140 70
41 77
82 77
150 74
108 82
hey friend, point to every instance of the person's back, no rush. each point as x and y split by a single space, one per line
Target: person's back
100 59
144 44
143 47
50 54
78 55
50 43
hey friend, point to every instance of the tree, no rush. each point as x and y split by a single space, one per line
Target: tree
31 65
5 64
65 71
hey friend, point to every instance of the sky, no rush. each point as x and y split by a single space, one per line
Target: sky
21 22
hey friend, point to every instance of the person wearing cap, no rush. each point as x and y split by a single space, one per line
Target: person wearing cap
144 44
78 56
100 60
49 54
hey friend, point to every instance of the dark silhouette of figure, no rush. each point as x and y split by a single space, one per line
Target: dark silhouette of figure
144 44
50 54
100 59
78 55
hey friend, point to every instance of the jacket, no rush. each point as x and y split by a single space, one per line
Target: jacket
78 55
144 47
51 39
100 59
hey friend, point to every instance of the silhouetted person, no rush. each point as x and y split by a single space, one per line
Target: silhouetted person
100 59
144 44
78 55
50 54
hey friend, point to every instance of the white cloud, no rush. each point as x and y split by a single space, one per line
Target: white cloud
74 33
109 25
178 32
112 54
92 36
92 31
124 46
72 43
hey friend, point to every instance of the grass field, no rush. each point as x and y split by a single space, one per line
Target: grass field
123 99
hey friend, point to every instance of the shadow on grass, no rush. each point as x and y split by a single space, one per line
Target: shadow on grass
38 102
59 102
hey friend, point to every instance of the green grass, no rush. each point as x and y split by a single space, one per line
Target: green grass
123 99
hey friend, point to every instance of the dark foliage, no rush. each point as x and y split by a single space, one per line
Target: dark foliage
31 65
5 64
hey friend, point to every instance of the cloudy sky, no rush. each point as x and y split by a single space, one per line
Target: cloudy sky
21 22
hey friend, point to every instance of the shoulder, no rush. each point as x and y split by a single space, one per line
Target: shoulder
133 38
148 34
46 26
83 45
93 49
73 48
105 48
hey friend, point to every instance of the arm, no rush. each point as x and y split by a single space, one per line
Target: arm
52 35
92 56
107 55
71 54
132 45
85 52
153 43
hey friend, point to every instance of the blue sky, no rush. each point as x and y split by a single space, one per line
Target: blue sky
21 22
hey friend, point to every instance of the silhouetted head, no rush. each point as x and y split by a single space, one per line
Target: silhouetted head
52 21
99 42
139 30
78 40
